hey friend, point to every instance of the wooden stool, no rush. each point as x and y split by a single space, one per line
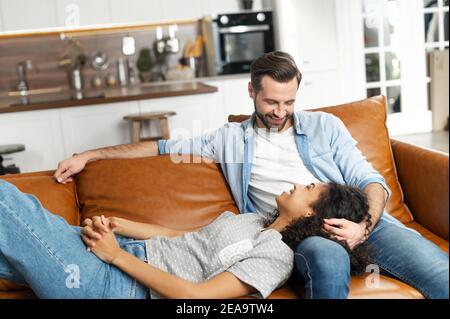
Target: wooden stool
137 119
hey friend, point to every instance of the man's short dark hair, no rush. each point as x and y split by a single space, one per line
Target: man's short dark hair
279 65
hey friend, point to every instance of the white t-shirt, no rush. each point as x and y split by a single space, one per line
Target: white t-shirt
276 166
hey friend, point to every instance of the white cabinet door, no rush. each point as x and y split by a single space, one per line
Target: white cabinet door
230 6
133 11
318 89
316 23
236 98
89 127
192 118
223 6
1 20
40 132
28 14
181 9
82 12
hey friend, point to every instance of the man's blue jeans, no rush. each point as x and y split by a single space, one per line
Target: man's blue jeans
323 266
42 250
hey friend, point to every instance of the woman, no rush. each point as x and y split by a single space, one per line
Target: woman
235 255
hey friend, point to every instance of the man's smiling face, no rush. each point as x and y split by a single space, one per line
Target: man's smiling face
274 103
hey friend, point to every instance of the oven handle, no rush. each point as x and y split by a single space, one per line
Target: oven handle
245 28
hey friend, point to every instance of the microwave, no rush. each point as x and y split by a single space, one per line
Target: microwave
240 38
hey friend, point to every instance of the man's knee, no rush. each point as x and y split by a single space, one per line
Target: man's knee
323 257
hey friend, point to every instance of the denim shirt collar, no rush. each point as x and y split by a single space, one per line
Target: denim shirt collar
248 125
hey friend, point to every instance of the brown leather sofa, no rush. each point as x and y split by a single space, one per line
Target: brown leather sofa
192 193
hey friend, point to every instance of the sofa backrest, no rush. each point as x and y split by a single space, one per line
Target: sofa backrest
366 122
155 190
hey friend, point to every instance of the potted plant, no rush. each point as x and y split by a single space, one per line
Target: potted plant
145 65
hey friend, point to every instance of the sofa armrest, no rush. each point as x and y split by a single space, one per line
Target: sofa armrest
423 175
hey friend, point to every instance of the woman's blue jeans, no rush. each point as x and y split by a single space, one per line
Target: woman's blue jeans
323 266
42 250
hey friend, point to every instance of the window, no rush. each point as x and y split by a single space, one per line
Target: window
381 48
384 54
435 14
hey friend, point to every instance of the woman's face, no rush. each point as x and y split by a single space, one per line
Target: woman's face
297 201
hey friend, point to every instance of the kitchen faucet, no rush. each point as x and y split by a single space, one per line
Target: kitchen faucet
22 86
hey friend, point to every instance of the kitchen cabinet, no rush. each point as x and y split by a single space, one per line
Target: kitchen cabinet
90 127
236 98
1 19
82 12
28 14
179 9
318 89
40 132
226 6
135 11
316 25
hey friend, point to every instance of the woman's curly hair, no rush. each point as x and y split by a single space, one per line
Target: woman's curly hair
336 201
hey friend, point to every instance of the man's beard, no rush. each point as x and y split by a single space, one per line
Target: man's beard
263 118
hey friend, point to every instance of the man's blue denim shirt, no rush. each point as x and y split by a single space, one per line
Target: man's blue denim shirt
324 144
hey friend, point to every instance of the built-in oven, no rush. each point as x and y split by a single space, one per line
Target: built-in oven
239 38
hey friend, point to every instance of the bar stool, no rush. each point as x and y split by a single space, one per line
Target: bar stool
138 119
9 149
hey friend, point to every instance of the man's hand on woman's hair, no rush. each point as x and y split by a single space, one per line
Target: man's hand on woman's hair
346 230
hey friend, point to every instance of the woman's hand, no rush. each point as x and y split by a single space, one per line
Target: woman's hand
99 237
92 226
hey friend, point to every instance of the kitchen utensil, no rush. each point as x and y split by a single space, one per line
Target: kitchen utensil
99 61
159 45
76 79
132 79
96 81
172 43
198 47
128 45
122 72
110 80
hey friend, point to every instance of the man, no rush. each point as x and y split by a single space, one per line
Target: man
277 147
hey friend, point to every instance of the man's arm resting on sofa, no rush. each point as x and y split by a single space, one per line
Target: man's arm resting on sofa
75 164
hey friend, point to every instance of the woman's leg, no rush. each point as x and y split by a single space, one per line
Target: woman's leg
47 253
8 272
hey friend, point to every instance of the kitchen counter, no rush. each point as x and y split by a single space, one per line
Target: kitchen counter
90 97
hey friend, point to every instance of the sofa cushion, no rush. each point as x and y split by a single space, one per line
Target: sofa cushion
366 122
155 190
57 198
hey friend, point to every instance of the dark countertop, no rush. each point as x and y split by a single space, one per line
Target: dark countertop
90 97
